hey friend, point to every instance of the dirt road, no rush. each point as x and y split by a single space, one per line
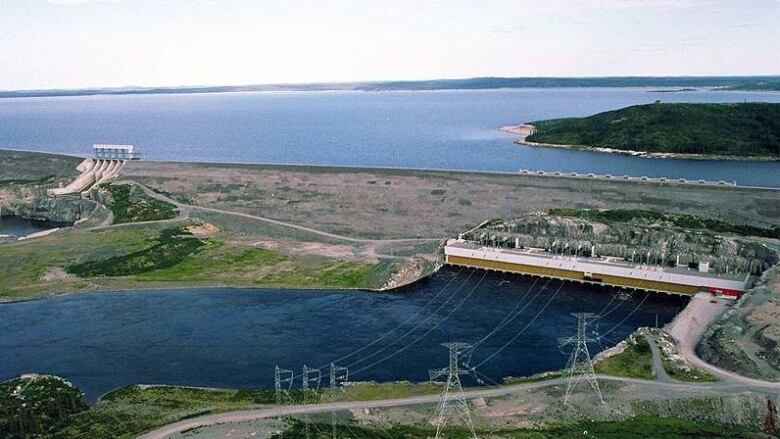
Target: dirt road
248 415
688 327
185 211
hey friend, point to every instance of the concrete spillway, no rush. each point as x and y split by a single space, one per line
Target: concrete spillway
93 172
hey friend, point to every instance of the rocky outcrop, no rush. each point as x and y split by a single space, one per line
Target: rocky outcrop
745 340
32 202
644 242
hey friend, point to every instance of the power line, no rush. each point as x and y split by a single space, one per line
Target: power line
527 325
514 313
408 319
413 342
418 325
453 401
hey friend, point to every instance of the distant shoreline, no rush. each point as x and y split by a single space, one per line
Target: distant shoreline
525 130
659 83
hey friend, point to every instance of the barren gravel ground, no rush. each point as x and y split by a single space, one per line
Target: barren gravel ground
392 203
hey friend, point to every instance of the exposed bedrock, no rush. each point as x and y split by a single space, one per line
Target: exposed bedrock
642 242
745 340
33 203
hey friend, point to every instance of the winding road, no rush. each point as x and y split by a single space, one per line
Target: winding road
687 329
277 411
185 210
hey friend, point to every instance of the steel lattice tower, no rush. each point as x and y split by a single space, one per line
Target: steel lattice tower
580 363
307 378
282 386
307 371
453 401
338 376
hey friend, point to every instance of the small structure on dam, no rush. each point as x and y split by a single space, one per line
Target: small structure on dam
105 166
115 152
650 254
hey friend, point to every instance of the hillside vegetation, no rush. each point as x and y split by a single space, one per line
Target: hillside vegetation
749 129
129 203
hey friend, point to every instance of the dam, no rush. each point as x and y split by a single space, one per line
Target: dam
594 270
108 161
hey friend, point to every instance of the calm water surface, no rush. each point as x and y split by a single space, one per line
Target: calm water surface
421 129
234 337
12 227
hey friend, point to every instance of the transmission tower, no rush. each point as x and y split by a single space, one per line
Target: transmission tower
308 378
338 376
580 363
453 401
283 381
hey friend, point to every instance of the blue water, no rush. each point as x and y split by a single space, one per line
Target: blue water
235 337
420 129
13 227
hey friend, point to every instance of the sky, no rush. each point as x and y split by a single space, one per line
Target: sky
114 43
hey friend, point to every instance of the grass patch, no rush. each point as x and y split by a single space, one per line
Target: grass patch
679 220
151 255
25 262
167 250
636 428
217 261
371 390
688 374
132 410
130 204
181 198
533 378
319 272
634 362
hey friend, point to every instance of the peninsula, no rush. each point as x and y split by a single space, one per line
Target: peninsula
739 131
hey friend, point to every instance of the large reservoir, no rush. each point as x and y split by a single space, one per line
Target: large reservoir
421 129
234 337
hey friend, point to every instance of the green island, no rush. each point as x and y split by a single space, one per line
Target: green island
741 130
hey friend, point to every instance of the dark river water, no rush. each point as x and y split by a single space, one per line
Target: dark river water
13 227
234 337
454 129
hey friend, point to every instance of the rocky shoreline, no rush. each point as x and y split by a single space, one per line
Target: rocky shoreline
32 203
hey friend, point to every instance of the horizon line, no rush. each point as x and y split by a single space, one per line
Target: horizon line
380 82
